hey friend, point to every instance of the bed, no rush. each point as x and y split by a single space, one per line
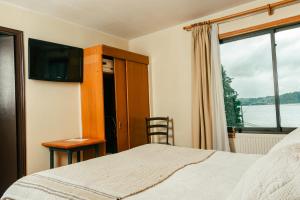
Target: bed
164 172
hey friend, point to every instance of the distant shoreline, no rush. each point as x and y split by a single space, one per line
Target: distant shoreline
287 98
271 104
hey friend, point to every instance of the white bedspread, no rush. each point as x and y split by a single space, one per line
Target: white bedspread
110 177
213 179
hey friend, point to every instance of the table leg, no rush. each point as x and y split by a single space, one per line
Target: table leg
51 158
96 150
70 153
78 156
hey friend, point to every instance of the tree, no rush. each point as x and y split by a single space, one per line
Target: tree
232 104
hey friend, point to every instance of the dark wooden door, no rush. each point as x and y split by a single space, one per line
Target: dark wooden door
138 102
8 114
121 104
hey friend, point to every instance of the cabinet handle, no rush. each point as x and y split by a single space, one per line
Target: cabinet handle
120 125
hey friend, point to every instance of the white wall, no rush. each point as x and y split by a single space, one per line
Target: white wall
52 109
170 64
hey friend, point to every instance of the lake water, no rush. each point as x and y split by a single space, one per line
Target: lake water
265 115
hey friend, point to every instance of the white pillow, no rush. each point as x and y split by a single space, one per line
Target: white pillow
292 138
275 176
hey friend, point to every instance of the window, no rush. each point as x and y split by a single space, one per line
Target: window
288 59
261 80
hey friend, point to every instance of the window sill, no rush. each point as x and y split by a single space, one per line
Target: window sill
231 131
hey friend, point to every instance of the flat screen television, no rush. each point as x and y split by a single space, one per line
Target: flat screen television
55 62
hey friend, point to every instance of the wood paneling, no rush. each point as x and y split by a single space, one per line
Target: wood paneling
125 55
92 102
137 102
121 104
277 23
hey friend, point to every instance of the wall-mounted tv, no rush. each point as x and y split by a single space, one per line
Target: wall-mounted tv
55 62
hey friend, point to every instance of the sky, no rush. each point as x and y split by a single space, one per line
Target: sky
249 63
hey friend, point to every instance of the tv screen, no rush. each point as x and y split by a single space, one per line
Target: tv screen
55 62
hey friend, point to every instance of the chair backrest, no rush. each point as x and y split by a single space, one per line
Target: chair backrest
157 126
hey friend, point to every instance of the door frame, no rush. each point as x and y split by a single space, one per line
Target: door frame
20 97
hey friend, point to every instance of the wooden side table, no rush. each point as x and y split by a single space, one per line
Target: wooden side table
72 145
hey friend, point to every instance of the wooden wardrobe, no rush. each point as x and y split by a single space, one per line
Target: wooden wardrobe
130 101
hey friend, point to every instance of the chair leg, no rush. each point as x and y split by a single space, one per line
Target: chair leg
51 158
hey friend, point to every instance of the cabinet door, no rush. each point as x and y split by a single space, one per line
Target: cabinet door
137 102
121 104
92 102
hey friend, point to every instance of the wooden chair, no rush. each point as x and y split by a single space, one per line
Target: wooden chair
157 126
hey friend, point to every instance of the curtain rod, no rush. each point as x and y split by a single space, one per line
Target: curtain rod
269 8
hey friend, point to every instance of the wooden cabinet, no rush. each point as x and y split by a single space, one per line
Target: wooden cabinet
130 95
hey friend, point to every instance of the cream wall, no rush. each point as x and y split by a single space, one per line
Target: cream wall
170 64
52 109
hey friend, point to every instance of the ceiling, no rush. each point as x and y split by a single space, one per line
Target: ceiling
127 18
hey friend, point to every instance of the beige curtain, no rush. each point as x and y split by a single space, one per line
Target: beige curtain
219 124
201 81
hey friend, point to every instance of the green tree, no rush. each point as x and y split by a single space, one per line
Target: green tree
232 104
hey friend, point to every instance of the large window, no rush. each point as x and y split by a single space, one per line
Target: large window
261 79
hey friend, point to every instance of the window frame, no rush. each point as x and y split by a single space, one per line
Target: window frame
271 31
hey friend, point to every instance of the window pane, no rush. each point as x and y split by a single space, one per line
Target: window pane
248 82
288 59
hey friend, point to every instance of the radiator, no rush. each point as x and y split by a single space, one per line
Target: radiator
254 143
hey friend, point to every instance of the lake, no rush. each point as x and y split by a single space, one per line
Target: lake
265 115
